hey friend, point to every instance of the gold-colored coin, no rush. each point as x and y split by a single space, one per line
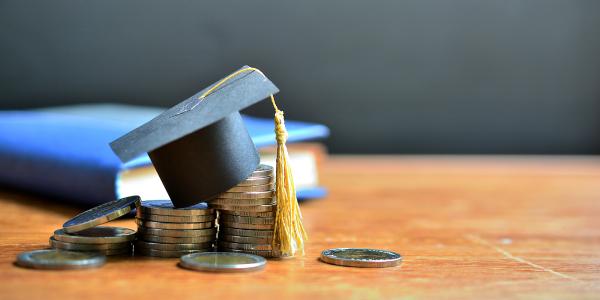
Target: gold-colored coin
171 247
241 202
176 240
240 246
244 239
248 195
247 220
246 226
256 208
175 219
177 232
246 232
161 225
252 188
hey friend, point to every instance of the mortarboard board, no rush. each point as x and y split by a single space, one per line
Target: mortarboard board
201 147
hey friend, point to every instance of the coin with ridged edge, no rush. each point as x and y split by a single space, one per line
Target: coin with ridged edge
97 235
176 219
242 202
246 226
176 240
246 232
266 214
361 257
178 232
240 246
247 220
222 262
256 208
182 226
60 260
172 247
247 195
262 170
167 254
165 207
263 253
257 181
101 214
252 188
244 239
87 247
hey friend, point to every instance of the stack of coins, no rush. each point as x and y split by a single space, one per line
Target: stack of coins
82 233
102 239
164 231
247 215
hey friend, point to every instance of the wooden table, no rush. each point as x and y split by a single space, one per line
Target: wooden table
468 227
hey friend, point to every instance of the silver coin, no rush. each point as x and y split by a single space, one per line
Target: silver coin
257 181
255 208
263 253
240 246
165 207
176 240
247 220
246 232
265 214
87 247
167 254
252 188
246 226
177 232
101 214
161 225
262 171
361 257
175 219
96 235
244 239
247 195
60 260
241 202
222 262
172 247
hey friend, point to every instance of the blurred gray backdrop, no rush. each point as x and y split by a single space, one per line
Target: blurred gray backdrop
422 76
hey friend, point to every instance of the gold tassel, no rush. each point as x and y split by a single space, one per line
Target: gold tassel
289 233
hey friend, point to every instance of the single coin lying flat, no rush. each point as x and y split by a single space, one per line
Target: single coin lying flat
222 262
361 257
60 259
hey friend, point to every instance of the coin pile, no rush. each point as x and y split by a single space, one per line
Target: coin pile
102 239
247 215
82 233
164 231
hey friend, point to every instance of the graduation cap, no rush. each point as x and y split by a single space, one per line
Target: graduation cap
201 148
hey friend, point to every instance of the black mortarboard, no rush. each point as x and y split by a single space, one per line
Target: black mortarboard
201 147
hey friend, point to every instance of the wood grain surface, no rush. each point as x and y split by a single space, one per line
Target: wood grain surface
468 227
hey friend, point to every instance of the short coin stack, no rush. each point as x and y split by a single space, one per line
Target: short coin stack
104 240
247 215
164 231
82 233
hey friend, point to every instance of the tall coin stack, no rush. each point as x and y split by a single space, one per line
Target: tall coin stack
247 215
164 231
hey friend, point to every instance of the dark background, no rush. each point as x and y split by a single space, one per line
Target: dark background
422 76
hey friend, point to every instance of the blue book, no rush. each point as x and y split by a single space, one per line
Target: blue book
63 153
